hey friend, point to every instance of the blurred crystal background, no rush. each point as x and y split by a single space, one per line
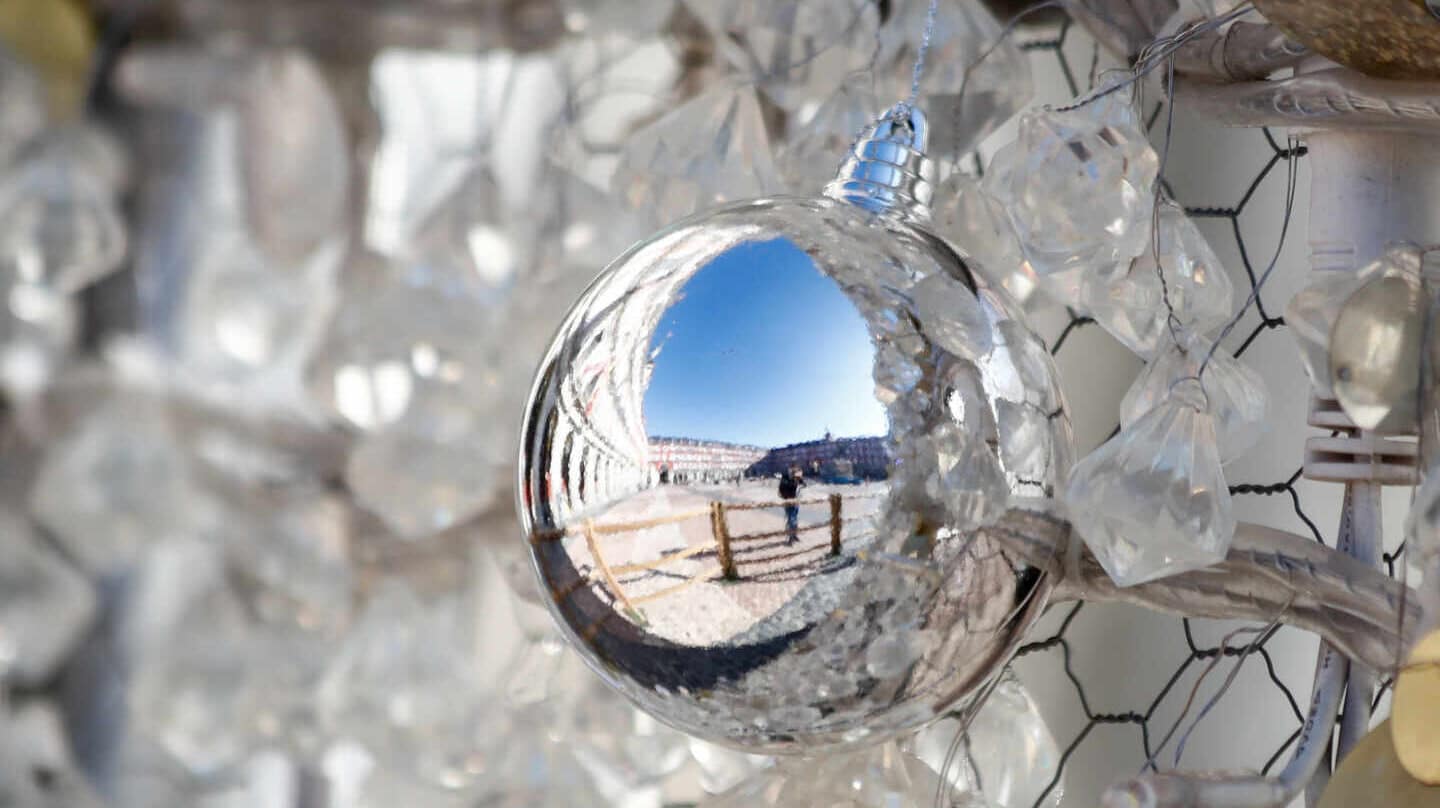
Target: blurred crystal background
276 274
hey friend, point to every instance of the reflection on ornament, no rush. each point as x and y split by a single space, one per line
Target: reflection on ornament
1373 775
1415 711
732 466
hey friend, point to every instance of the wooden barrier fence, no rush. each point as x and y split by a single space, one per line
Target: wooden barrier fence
722 543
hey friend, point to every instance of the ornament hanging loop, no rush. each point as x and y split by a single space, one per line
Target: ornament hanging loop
887 169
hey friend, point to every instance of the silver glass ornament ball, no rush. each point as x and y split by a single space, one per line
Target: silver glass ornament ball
765 455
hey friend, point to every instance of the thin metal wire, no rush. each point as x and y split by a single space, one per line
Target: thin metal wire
1172 320
1290 180
1154 54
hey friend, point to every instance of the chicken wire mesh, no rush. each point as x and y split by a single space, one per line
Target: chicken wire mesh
1124 690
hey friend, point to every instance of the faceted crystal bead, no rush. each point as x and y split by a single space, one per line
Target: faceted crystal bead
246 321
293 549
191 692
36 769
1131 304
119 482
404 687
951 317
814 150
1311 313
1234 393
22 105
976 222
1008 749
625 751
1079 186
294 155
993 92
797 51
468 241
876 777
1152 501
37 330
627 81
722 769
1029 450
386 788
211 684
92 149
60 226
633 17
45 604
969 478
433 469
396 338
713 148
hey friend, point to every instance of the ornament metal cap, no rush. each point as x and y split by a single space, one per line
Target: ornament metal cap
887 169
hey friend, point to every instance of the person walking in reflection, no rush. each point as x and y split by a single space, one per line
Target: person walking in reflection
790 483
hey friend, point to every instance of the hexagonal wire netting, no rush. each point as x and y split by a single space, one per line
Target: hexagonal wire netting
1125 690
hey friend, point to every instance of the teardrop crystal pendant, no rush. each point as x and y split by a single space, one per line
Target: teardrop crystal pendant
1132 305
1235 393
1152 501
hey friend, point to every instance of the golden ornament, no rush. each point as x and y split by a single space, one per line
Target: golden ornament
1387 39
1372 775
1415 711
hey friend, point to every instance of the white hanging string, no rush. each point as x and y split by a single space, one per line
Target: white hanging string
918 72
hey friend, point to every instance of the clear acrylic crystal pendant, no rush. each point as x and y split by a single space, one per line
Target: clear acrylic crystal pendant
713 148
1007 753
1311 313
878 777
1131 304
1152 501
971 218
1235 394
60 226
1079 186
796 51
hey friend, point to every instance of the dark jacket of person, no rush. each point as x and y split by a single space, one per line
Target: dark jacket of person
790 486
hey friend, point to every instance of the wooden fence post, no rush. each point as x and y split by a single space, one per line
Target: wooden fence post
722 538
604 568
835 524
